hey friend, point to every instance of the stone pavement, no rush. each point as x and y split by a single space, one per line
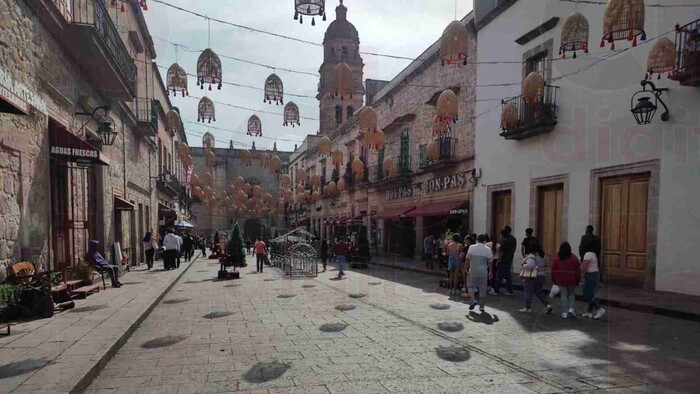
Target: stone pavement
64 353
383 330
680 306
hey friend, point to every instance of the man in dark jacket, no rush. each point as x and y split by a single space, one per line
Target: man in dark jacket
505 264
591 243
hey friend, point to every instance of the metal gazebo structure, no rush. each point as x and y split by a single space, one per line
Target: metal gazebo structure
295 256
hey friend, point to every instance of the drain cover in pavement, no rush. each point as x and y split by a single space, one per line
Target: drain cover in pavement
356 295
332 327
375 283
308 286
176 301
345 307
162 342
286 295
453 353
451 327
439 306
217 314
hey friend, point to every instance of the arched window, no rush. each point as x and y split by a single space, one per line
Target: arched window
338 114
351 111
404 155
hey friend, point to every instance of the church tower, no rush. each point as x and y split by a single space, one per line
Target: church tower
340 44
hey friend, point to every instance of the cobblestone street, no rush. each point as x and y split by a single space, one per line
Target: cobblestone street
383 330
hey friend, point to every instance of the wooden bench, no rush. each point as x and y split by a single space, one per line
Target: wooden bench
83 292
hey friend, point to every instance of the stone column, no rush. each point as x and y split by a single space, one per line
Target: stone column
419 238
380 232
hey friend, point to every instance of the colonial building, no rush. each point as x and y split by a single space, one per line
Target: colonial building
576 155
82 109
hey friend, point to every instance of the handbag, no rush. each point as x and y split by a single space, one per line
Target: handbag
528 274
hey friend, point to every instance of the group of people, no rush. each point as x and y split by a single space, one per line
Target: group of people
173 246
484 265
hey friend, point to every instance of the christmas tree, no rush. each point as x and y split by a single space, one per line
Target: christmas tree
236 248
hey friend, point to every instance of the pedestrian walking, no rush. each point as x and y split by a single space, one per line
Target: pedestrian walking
324 254
591 242
469 240
566 273
187 247
439 249
94 257
149 247
171 246
247 245
178 255
342 254
429 250
260 254
590 273
480 262
454 265
505 264
528 238
203 246
496 251
533 275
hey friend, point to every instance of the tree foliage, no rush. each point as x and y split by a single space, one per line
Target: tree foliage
236 248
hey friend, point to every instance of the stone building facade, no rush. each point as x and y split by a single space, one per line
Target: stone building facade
61 66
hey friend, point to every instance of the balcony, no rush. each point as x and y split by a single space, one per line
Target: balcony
94 41
532 119
688 57
168 184
56 15
447 148
146 115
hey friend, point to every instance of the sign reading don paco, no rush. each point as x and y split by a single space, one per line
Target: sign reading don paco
445 182
399 192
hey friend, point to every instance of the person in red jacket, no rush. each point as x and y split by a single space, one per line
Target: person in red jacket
566 273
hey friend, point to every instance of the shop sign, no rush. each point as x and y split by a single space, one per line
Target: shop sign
18 95
399 192
463 211
446 182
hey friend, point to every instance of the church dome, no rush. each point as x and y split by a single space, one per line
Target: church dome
340 28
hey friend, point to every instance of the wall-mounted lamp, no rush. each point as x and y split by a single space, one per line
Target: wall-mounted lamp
647 103
105 129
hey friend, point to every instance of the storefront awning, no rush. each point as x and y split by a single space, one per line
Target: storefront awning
354 221
339 221
394 213
165 211
445 208
68 146
121 204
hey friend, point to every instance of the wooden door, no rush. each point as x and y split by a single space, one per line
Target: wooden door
502 202
623 228
550 214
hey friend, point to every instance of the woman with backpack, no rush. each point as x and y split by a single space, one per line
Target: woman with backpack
533 274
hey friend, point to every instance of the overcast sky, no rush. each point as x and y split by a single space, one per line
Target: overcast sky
396 27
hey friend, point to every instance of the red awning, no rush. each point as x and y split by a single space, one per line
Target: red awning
68 146
394 213
355 220
436 209
121 204
339 220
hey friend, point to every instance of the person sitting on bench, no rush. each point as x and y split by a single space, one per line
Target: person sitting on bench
94 257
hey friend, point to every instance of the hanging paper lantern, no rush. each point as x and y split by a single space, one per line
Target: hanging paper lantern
454 44
197 190
337 157
274 90
172 122
182 149
286 180
241 196
433 151
238 182
533 88
624 20
310 8
509 117
301 175
368 120
210 158
208 191
256 191
324 190
324 146
439 128
246 157
247 187
205 110
194 179
267 199
188 160
209 69
232 189
342 81
301 198
357 166
208 178
341 185
447 108
299 188
377 140
291 115
254 126
176 80
135 4
315 196
315 180
393 172
264 160
332 188
388 164
574 35
662 57
275 164
208 141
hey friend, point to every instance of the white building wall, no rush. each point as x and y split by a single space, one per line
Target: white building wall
595 130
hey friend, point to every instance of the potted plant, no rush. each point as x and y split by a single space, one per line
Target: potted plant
9 300
84 272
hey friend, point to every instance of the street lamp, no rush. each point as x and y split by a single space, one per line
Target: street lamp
106 133
105 129
645 109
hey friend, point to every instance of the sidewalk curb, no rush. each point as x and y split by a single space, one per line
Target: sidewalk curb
603 301
92 373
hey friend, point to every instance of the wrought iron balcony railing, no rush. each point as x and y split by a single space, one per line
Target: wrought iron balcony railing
687 70
146 112
447 148
532 119
403 164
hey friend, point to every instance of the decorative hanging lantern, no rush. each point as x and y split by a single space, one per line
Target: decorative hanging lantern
341 185
447 109
368 120
433 151
232 189
275 164
205 110
208 178
182 149
241 196
324 146
208 191
377 140
624 20
662 58
388 164
264 160
454 44
256 191
301 176
209 69
342 81
173 122
238 182
136 4
533 88
439 129
274 90
315 196
247 187
392 173
315 180
291 115
176 80
246 158
310 8
286 180
358 167
197 190
509 117
324 190
574 35
301 198
194 179
210 158
332 188
337 157
254 126
208 141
